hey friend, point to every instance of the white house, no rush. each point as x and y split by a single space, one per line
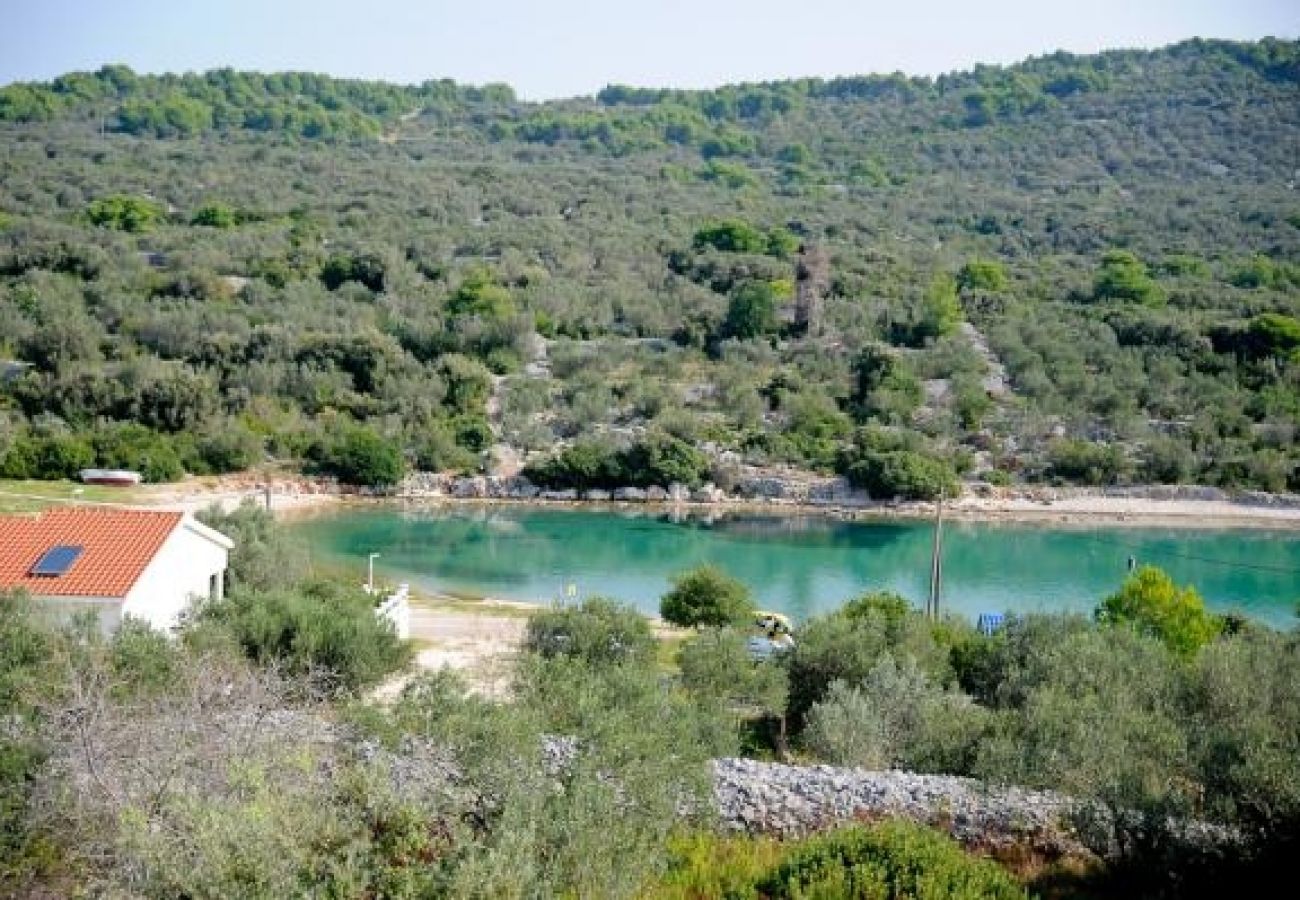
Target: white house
149 564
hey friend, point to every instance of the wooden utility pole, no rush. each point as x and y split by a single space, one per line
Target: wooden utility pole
936 562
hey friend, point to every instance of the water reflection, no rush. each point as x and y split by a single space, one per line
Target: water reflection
801 565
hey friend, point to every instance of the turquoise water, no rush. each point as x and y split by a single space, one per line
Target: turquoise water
801 565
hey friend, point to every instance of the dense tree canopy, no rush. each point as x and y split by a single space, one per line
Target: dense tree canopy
1096 250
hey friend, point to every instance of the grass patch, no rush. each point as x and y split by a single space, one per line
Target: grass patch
33 496
706 865
472 605
666 649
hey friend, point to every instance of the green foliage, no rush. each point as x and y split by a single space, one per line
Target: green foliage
847 647
732 175
138 448
389 280
438 449
317 627
936 313
170 116
1150 602
899 473
599 632
884 387
480 295
751 311
55 456
366 269
707 597
716 666
705 864
265 557
982 275
1087 462
893 609
359 455
122 213
50 457
895 718
1124 277
216 215
738 236
731 236
656 460
1275 335
142 660
895 859
1262 272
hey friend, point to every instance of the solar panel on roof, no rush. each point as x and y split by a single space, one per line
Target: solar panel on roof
57 560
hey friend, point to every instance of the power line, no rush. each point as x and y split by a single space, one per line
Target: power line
1260 567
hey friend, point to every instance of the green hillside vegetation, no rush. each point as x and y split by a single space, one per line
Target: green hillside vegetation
202 270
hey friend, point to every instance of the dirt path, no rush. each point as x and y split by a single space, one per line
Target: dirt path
995 377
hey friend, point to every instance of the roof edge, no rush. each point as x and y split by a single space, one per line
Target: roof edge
204 531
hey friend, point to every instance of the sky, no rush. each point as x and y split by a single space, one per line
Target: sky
562 48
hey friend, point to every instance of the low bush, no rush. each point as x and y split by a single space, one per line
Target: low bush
656 460
320 627
599 632
707 597
358 455
896 718
265 556
895 859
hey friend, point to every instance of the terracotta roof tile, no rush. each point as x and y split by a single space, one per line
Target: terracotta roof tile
118 544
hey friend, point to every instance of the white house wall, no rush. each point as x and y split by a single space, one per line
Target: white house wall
180 572
62 610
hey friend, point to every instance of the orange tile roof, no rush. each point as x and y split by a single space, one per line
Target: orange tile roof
119 544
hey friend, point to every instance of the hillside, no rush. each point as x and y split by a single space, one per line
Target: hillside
1084 269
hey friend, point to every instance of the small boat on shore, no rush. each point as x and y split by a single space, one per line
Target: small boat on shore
110 477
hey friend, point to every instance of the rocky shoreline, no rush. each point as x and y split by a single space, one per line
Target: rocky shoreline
802 489
776 491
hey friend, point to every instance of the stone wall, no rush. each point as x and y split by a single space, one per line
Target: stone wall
770 798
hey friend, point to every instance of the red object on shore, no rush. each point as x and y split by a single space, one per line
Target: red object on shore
111 477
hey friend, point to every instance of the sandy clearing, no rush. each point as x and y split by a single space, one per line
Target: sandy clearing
478 645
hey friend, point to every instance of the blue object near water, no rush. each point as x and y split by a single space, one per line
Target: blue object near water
989 622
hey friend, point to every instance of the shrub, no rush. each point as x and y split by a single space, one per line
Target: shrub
1086 462
707 596
705 864
1123 276
843 648
321 626
48 458
135 447
895 718
731 236
663 459
896 859
900 473
359 456
122 213
751 313
437 450
659 459
1150 602
599 632
231 448
216 215
982 275
265 556
717 668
